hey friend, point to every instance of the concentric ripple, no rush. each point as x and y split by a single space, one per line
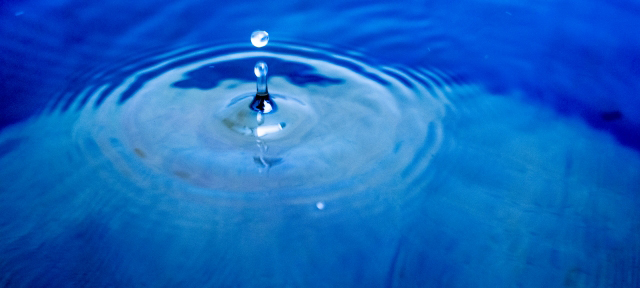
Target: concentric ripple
341 123
393 171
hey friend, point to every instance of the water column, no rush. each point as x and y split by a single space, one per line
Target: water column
262 103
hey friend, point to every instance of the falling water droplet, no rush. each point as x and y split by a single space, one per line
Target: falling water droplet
259 38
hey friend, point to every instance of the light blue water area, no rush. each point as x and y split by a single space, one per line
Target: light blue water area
413 144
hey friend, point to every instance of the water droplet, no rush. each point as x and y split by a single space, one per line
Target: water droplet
259 38
261 69
320 205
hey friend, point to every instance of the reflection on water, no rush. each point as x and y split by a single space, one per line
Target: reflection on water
499 148
210 76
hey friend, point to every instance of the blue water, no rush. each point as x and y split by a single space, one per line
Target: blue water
427 144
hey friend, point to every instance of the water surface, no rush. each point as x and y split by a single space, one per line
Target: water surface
428 144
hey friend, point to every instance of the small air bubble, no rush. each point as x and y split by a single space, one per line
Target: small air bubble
259 38
320 205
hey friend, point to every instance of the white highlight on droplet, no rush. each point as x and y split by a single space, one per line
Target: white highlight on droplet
320 205
259 38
